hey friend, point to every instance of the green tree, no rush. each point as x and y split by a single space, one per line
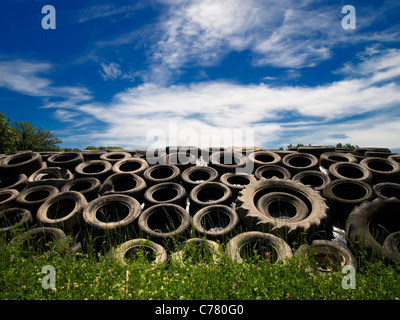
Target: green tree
35 139
7 135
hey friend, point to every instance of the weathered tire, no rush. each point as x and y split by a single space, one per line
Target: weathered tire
282 250
114 157
282 205
99 169
209 193
131 165
370 223
316 150
66 160
215 222
387 190
126 184
261 158
14 218
313 178
363 150
254 219
328 158
195 175
88 186
272 170
17 182
8 198
153 251
236 182
192 247
383 170
353 171
329 256
164 223
229 161
162 173
297 162
392 242
63 211
181 160
32 198
54 176
166 192
21 162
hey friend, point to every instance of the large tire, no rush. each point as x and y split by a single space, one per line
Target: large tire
131 165
21 162
88 186
297 162
63 211
229 161
153 251
32 198
383 170
261 158
162 173
66 160
99 169
166 192
165 223
282 250
195 175
216 222
353 171
370 223
269 171
209 193
254 219
313 178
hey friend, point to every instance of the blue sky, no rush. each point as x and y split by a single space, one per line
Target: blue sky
151 73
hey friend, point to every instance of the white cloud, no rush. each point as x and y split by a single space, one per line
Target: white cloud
110 71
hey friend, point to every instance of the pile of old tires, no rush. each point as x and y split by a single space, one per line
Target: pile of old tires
331 201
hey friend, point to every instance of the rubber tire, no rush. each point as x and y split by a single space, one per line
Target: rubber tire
73 159
175 159
9 196
229 178
179 199
60 177
387 190
308 177
392 242
284 252
179 255
180 232
19 182
240 166
24 215
119 253
90 193
354 171
189 183
138 165
358 224
254 219
276 170
34 205
316 151
170 173
289 162
100 175
261 158
26 167
382 176
117 180
71 221
328 158
115 156
196 203
227 230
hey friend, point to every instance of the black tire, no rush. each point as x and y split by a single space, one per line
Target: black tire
352 171
89 155
387 190
383 170
166 192
395 158
229 161
282 205
236 182
37 239
21 162
8 198
181 160
114 157
216 222
272 170
89 187
18 182
63 211
369 224
261 158
329 256
32 198
13 218
392 242
164 223
124 183
162 173
315 179
153 251
269 242
297 162
209 193
363 150
153 157
316 150
198 249
328 158
131 165
99 169
112 215
54 176
254 219
343 195
196 175
66 160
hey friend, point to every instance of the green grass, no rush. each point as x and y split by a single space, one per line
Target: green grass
92 276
